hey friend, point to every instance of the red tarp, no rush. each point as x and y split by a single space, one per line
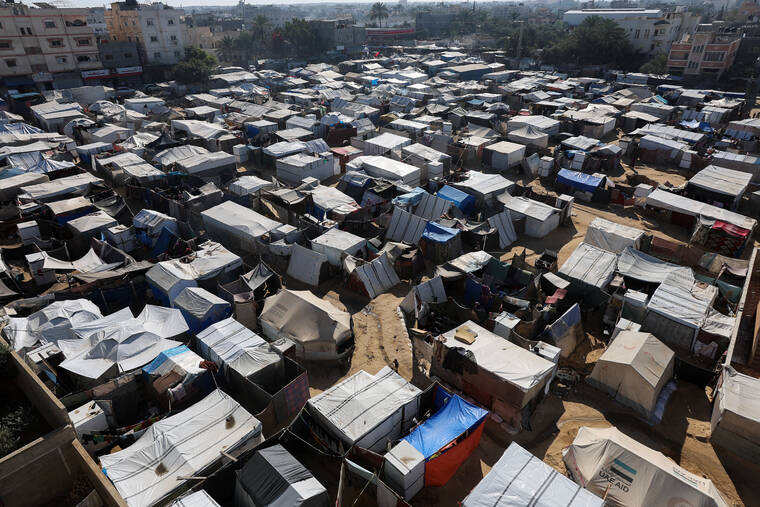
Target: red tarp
440 469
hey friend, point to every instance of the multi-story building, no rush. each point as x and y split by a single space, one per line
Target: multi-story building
96 18
340 34
121 62
46 46
709 51
157 29
649 30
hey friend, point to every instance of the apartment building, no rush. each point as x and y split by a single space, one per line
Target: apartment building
709 51
45 46
649 30
156 27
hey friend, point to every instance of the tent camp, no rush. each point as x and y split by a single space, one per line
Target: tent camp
612 236
629 474
634 368
201 308
365 410
735 422
519 479
273 477
320 330
182 445
448 437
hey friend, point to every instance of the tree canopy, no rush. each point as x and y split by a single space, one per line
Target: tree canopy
657 65
196 67
596 41
379 11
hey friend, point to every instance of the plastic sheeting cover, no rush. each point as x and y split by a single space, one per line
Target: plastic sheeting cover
519 479
590 265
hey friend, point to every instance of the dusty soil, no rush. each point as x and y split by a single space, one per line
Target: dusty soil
682 435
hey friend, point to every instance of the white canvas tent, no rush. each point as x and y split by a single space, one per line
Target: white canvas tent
367 410
484 187
319 329
540 218
529 135
519 479
634 368
236 226
630 474
181 445
54 320
590 266
335 242
735 422
504 155
612 236
230 344
306 265
197 499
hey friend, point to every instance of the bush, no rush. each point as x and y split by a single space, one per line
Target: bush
11 426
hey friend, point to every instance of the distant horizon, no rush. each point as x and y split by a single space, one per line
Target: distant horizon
230 3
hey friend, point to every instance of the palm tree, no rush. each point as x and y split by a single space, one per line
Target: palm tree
259 27
379 12
226 47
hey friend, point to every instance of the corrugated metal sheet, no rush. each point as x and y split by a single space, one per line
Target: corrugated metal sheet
405 227
377 276
432 207
503 223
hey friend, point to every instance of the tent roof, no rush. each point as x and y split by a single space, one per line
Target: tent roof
450 421
508 361
722 180
590 265
183 445
641 351
519 479
358 404
305 317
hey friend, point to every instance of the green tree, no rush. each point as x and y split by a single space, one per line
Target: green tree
596 41
379 12
303 40
196 67
226 48
657 65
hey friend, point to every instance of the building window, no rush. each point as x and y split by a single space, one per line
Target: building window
49 23
177 54
646 33
636 34
25 30
10 62
153 38
170 21
149 21
84 42
1 26
698 49
693 65
55 43
83 58
714 56
108 57
156 55
61 59
6 44
173 37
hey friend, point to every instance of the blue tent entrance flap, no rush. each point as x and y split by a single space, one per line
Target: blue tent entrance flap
438 233
452 420
581 181
462 200
410 199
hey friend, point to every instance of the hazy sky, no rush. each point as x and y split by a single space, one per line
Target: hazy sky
198 3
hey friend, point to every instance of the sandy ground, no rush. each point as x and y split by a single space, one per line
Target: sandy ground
682 435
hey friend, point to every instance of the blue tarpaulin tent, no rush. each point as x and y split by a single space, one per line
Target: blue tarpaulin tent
438 233
454 419
581 181
409 199
461 200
